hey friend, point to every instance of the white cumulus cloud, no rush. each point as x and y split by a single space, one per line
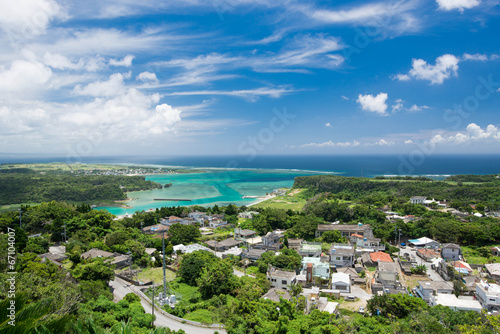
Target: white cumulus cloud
24 75
446 66
457 4
125 62
147 77
473 134
376 104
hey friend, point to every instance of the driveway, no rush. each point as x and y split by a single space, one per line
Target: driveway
121 288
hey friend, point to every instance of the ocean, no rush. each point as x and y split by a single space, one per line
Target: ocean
229 178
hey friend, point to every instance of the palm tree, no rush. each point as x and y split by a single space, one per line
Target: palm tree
36 317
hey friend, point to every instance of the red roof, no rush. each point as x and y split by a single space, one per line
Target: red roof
380 257
356 235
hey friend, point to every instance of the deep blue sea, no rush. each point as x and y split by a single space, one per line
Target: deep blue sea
348 165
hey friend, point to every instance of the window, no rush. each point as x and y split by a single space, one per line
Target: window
283 282
338 258
492 299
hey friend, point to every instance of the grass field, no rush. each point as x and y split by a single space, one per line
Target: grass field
201 315
155 274
474 257
294 200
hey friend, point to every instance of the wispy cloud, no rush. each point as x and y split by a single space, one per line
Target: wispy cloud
248 94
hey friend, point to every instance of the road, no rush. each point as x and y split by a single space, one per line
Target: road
121 288
433 275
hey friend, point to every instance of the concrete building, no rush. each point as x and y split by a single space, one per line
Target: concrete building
418 200
319 268
364 244
244 235
494 270
387 273
488 295
272 240
310 249
425 289
280 279
341 282
341 255
346 230
450 300
451 252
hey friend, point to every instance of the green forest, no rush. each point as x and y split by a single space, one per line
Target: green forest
28 187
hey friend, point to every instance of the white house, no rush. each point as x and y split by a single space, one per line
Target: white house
427 288
451 252
280 279
488 295
455 303
418 199
424 242
341 282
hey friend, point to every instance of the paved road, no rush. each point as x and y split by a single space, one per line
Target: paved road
433 275
121 288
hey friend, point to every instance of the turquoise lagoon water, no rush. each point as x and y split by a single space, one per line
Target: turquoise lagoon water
221 187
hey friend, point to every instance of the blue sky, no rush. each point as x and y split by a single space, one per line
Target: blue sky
120 77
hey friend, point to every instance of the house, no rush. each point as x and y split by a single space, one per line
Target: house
235 251
56 259
220 246
494 270
424 243
175 220
450 300
275 295
244 234
272 240
364 244
418 200
253 254
310 249
248 214
462 267
367 260
345 230
158 228
318 268
295 243
427 254
387 273
341 255
495 251
451 252
488 295
215 222
425 289
150 251
198 217
121 261
341 282
281 279
377 257
94 253
190 248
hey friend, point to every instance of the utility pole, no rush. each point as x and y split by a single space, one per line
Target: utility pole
153 307
164 276
64 233
399 244
395 235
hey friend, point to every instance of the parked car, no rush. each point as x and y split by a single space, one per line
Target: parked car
361 309
403 245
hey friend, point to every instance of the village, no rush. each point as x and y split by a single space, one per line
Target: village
338 275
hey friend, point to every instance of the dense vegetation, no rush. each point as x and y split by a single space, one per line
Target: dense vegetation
76 298
18 188
386 189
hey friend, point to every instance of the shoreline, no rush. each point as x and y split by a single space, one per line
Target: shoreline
261 200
